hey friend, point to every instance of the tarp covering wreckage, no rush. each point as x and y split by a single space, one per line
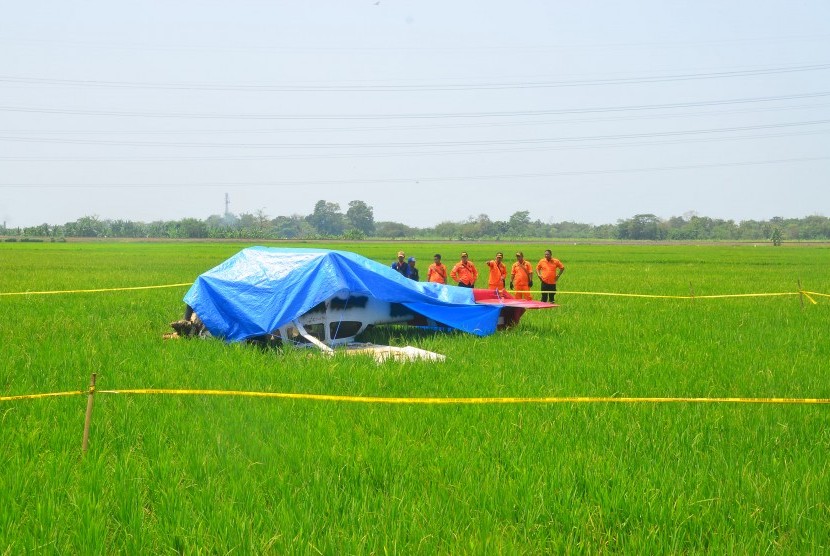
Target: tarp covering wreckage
262 289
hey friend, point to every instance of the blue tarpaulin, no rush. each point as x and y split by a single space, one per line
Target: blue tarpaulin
261 289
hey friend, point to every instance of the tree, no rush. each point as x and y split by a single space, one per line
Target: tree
326 218
87 226
127 228
776 236
353 234
815 227
247 221
572 229
262 221
605 231
477 227
641 226
361 217
293 226
191 228
42 230
751 229
393 230
519 223
448 230
157 228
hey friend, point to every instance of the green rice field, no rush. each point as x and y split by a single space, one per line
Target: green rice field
200 474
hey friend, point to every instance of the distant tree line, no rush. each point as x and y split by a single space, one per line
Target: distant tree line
358 222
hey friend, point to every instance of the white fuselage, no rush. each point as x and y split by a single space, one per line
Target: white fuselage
340 318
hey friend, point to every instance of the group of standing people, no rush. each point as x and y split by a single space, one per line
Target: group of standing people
406 267
465 274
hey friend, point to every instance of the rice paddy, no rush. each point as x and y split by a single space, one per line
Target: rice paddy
200 474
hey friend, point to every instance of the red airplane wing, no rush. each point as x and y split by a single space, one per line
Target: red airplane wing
494 297
523 303
512 308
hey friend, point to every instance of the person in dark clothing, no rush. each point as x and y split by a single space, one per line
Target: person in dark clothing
400 265
412 271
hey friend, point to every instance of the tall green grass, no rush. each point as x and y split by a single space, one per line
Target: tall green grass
197 474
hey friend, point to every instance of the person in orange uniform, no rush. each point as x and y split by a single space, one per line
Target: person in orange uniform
437 271
521 277
498 272
464 272
549 270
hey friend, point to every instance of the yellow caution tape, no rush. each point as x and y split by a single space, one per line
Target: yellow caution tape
561 292
37 396
98 290
469 401
427 401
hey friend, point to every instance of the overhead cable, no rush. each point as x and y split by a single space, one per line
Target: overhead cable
413 180
411 144
412 87
400 116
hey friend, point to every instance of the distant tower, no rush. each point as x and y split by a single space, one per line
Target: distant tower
227 204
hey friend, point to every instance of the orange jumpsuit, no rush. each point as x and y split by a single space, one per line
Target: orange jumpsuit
464 273
521 274
437 273
547 270
498 272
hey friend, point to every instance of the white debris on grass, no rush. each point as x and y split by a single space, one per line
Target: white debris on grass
382 353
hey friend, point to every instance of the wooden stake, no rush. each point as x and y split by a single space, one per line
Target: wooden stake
691 290
89 401
800 293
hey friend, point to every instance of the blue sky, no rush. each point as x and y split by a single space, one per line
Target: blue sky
428 111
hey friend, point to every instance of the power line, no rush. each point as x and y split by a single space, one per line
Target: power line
411 88
382 48
304 183
412 144
431 126
442 152
435 115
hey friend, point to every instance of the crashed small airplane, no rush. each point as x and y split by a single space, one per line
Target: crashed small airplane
327 298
